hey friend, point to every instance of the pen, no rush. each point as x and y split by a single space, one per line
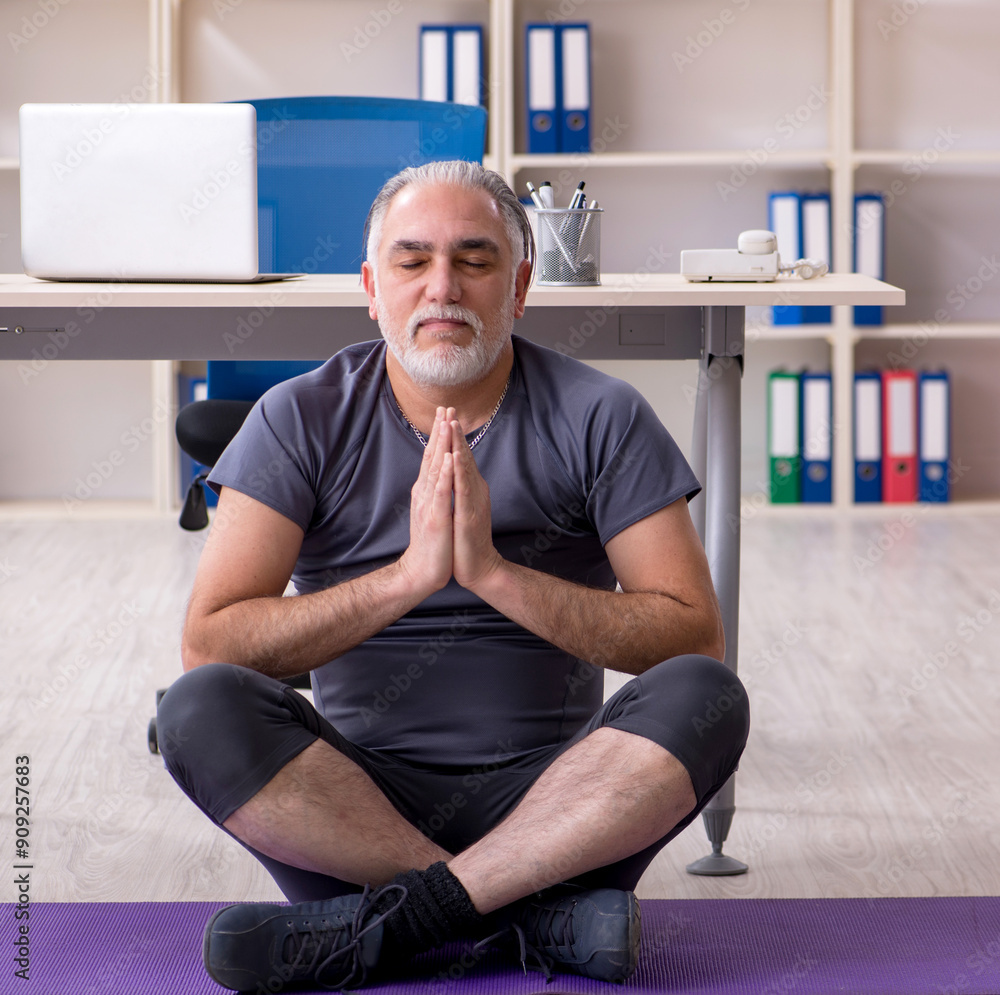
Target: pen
594 206
535 196
576 200
560 244
545 192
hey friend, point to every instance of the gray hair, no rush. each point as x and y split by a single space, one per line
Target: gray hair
469 176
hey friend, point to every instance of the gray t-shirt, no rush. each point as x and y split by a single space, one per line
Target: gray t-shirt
572 458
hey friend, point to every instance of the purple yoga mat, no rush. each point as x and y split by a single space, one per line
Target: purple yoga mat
907 946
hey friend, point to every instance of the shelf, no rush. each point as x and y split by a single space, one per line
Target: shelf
929 330
731 157
764 332
752 505
665 159
929 156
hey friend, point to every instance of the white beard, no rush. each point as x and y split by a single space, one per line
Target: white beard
447 364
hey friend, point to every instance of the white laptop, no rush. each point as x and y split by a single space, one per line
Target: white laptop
145 192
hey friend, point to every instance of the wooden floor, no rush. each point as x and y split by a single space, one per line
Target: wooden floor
870 644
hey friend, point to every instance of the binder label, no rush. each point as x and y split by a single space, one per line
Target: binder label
785 223
901 439
465 83
541 76
434 65
576 84
934 421
867 421
869 249
785 429
816 444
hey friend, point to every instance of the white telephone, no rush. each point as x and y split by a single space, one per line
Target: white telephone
754 260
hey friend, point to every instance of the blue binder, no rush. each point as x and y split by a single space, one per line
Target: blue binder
816 244
867 437
784 213
869 249
573 93
934 428
451 63
541 62
816 407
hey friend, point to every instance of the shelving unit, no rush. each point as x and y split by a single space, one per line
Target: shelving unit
71 415
857 102
696 119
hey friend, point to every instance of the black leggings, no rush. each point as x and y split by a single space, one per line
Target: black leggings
226 731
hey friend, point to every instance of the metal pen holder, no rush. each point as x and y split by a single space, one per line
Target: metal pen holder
569 246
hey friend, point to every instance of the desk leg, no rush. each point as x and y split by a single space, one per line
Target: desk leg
717 443
699 450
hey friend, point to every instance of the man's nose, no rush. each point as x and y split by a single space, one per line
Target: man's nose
443 286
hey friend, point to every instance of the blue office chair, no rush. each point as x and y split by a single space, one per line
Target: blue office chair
320 163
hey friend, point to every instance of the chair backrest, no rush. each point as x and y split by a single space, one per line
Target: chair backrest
320 163
322 160
248 379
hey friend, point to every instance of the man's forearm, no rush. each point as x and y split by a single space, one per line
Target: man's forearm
628 632
285 636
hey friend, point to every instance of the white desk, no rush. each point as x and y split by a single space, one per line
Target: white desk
291 319
641 316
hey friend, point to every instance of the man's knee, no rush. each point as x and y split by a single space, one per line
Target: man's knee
725 701
195 705
703 706
714 699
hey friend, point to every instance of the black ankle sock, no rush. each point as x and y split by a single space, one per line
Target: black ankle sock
436 909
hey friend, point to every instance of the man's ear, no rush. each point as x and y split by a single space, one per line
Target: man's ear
368 282
521 284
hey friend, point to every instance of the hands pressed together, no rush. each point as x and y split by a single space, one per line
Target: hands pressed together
451 532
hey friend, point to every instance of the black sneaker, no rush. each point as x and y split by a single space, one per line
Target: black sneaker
271 948
593 933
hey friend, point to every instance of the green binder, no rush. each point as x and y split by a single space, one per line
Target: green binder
784 447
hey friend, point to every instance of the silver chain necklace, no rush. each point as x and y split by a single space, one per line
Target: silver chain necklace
479 434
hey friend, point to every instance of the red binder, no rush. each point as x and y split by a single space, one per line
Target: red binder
899 435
